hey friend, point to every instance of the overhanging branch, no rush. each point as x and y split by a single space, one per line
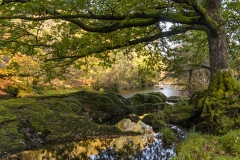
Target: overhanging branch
209 22
142 15
140 21
18 1
130 43
113 27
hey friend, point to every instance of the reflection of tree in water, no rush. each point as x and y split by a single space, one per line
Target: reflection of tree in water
122 148
152 150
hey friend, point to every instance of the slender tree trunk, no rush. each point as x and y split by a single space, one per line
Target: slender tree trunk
217 43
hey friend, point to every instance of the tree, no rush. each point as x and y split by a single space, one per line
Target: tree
117 24
78 28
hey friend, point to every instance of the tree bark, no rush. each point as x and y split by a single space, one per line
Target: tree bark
217 43
218 53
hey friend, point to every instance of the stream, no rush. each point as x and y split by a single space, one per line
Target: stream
147 146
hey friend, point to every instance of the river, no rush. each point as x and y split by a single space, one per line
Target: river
167 90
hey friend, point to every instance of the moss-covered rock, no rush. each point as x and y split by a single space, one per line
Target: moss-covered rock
151 97
168 136
149 108
27 122
147 102
34 121
102 106
179 114
156 120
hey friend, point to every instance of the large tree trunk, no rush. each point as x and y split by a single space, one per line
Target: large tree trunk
218 52
217 43
219 105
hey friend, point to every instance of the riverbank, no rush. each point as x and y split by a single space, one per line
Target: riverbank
35 121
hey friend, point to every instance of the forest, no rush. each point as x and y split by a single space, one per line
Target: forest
69 60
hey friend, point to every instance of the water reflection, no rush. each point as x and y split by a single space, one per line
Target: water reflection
123 148
138 147
147 146
127 125
167 90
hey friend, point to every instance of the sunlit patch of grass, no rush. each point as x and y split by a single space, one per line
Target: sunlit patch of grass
231 142
202 146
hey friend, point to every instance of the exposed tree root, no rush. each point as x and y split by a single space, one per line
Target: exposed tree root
219 104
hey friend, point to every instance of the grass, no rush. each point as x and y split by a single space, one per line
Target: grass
210 147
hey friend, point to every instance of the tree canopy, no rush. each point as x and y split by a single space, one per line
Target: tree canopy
65 31
180 32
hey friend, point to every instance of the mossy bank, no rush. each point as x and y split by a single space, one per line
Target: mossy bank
34 121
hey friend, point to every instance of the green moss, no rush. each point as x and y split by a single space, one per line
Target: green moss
231 142
149 107
219 103
197 96
147 118
225 124
218 94
168 136
11 139
214 84
17 102
180 114
6 115
156 120
152 97
58 117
